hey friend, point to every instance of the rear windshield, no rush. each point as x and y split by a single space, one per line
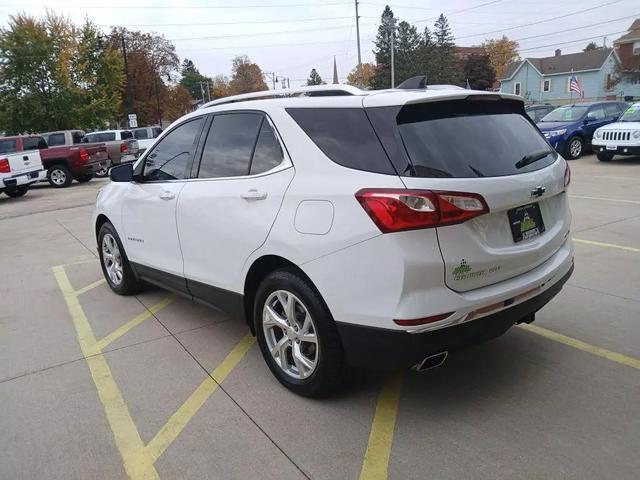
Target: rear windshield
465 139
100 137
8 146
566 114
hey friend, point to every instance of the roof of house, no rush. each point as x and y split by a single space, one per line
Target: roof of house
632 34
589 60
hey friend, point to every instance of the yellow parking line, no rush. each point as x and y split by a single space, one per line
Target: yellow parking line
91 286
137 462
580 345
619 200
134 322
188 409
608 245
79 262
376 458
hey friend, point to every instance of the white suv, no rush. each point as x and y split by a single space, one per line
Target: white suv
348 228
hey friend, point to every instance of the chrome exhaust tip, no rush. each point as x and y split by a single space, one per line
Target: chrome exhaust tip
432 361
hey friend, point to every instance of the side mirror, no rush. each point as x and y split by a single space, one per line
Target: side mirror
121 173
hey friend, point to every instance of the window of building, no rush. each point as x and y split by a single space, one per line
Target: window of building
636 48
546 85
517 88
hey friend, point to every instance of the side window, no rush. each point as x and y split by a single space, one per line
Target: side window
77 136
612 110
171 157
125 135
141 134
156 132
230 143
33 143
268 153
597 113
55 139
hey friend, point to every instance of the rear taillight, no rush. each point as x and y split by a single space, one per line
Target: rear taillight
567 175
4 165
123 148
422 321
399 210
84 155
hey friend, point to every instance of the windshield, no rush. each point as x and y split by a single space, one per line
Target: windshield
566 114
631 114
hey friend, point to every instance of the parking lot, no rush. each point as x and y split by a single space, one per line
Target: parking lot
94 385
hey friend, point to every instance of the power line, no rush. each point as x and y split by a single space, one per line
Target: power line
247 22
536 23
181 7
541 47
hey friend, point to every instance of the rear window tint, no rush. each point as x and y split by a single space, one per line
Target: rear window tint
465 139
345 135
100 137
8 146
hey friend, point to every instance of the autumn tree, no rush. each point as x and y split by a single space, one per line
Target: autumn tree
479 72
178 102
501 53
368 70
55 75
246 76
315 78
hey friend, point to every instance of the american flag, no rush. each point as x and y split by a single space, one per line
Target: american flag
574 86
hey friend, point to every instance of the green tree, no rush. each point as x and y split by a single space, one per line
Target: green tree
591 46
382 51
315 78
479 72
408 52
445 64
425 57
246 76
193 80
56 76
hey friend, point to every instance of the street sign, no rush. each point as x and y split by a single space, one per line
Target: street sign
133 120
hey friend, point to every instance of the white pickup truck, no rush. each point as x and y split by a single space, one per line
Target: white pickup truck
18 170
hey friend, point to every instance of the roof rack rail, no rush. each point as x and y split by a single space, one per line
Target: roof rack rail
310 91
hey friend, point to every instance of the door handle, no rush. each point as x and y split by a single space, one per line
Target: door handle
254 194
167 195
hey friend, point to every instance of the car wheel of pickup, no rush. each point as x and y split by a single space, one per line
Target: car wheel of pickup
114 262
59 176
574 148
297 335
17 191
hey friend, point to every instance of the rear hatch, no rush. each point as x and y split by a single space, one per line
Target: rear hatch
476 146
19 162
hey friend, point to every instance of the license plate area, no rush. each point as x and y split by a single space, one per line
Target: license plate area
612 147
525 222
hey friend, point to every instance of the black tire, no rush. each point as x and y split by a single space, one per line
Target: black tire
103 172
59 176
574 148
331 370
604 156
129 283
16 192
84 178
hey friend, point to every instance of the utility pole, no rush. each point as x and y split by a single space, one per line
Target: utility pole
360 72
274 79
208 92
201 91
126 74
393 75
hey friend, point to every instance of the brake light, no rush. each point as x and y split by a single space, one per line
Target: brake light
422 321
123 148
399 210
84 155
567 175
4 165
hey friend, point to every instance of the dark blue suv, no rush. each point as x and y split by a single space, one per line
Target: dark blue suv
569 128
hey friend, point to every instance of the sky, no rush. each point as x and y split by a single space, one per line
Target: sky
290 37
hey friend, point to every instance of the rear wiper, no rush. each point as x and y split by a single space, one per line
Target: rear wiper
532 157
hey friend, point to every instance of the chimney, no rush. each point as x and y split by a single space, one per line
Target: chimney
335 71
558 52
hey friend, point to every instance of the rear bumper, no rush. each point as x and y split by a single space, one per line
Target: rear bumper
383 349
26 178
620 149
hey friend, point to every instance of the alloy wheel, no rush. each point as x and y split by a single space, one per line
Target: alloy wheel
58 176
112 259
575 148
290 334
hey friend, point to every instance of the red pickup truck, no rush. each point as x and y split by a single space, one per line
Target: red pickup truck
64 164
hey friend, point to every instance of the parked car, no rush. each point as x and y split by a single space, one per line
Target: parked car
121 145
619 138
18 170
146 136
372 229
537 111
64 164
569 128
74 137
